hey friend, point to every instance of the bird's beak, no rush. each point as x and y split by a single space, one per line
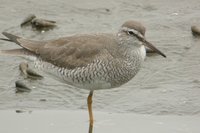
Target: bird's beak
149 45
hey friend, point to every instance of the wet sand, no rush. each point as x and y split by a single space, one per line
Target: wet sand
76 122
164 88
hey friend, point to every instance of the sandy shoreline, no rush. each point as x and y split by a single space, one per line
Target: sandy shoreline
58 121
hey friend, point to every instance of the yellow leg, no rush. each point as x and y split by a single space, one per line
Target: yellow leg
89 102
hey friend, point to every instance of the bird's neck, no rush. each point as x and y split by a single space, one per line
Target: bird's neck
142 51
131 47
131 52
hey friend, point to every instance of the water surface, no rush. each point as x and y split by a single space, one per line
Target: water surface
163 86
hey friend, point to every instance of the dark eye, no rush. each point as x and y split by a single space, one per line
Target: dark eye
130 32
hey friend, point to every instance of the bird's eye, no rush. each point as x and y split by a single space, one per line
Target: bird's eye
130 32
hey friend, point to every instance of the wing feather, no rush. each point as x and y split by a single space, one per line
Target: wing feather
69 52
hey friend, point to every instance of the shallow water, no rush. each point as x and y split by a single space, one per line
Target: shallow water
163 86
53 121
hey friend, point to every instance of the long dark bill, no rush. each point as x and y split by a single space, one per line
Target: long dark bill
149 45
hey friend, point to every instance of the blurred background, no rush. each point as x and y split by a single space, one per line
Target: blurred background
163 86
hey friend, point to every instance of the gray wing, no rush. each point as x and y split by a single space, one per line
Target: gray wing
68 52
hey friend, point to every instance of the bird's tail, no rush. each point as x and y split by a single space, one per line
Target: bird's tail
10 37
14 52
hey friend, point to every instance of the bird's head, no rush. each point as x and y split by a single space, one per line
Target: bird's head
135 31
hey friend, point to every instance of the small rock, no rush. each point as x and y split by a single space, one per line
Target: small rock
43 24
43 100
38 23
29 73
33 75
21 87
23 111
19 111
108 10
195 30
23 68
27 20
